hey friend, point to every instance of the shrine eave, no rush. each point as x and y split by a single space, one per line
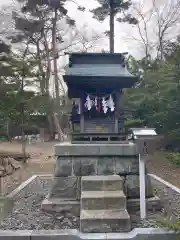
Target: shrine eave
121 82
89 84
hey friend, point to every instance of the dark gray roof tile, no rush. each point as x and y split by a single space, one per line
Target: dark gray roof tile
105 70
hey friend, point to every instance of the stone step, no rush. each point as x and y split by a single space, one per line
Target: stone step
61 205
94 200
101 183
104 221
64 187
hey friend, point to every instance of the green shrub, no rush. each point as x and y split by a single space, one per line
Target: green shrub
174 157
171 226
134 123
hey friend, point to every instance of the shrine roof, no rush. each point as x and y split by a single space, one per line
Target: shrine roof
86 57
98 70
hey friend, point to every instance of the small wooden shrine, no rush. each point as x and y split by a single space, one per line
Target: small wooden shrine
95 83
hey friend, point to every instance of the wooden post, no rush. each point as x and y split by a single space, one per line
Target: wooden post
81 118
145 146
143 151
142 184
116 124
82 123
118 106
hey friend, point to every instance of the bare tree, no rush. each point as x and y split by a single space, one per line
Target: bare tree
46 47
156 27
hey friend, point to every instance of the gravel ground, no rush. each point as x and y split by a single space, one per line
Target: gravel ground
170 200
27 214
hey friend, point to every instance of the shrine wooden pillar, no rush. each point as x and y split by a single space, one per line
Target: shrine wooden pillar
116 123
82 123
119 98
81 116
117 113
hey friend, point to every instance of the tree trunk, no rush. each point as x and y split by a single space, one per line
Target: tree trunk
56 78
47 77
111 37
43 79
23 139
51 128
58 128
7 129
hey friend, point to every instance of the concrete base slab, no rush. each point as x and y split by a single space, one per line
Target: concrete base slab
133 205
96 200
104 221
59 205
73 234
15 235
152 204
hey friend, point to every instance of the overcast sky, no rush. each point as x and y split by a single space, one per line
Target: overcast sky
121 30
124 33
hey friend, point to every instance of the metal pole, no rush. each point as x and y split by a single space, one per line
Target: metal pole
142 184
111 37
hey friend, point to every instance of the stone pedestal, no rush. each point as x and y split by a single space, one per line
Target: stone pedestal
102 159
76 160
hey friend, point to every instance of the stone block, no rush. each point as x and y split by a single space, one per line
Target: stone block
96 200
104 221
77 167
59 205
129 149
84 166
6 206
105 166
103 149
101 183
68 149
65 187
152 204
63 167
126 165
133 189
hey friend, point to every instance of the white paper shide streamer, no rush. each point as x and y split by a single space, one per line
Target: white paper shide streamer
111 104
89 103
106 104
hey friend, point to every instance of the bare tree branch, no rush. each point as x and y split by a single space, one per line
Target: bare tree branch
156 26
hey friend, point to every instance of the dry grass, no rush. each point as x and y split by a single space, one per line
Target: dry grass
160 165
41 162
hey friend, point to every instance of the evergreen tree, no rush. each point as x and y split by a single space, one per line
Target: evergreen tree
112 8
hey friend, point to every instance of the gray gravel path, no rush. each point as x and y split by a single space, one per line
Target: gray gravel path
27 214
